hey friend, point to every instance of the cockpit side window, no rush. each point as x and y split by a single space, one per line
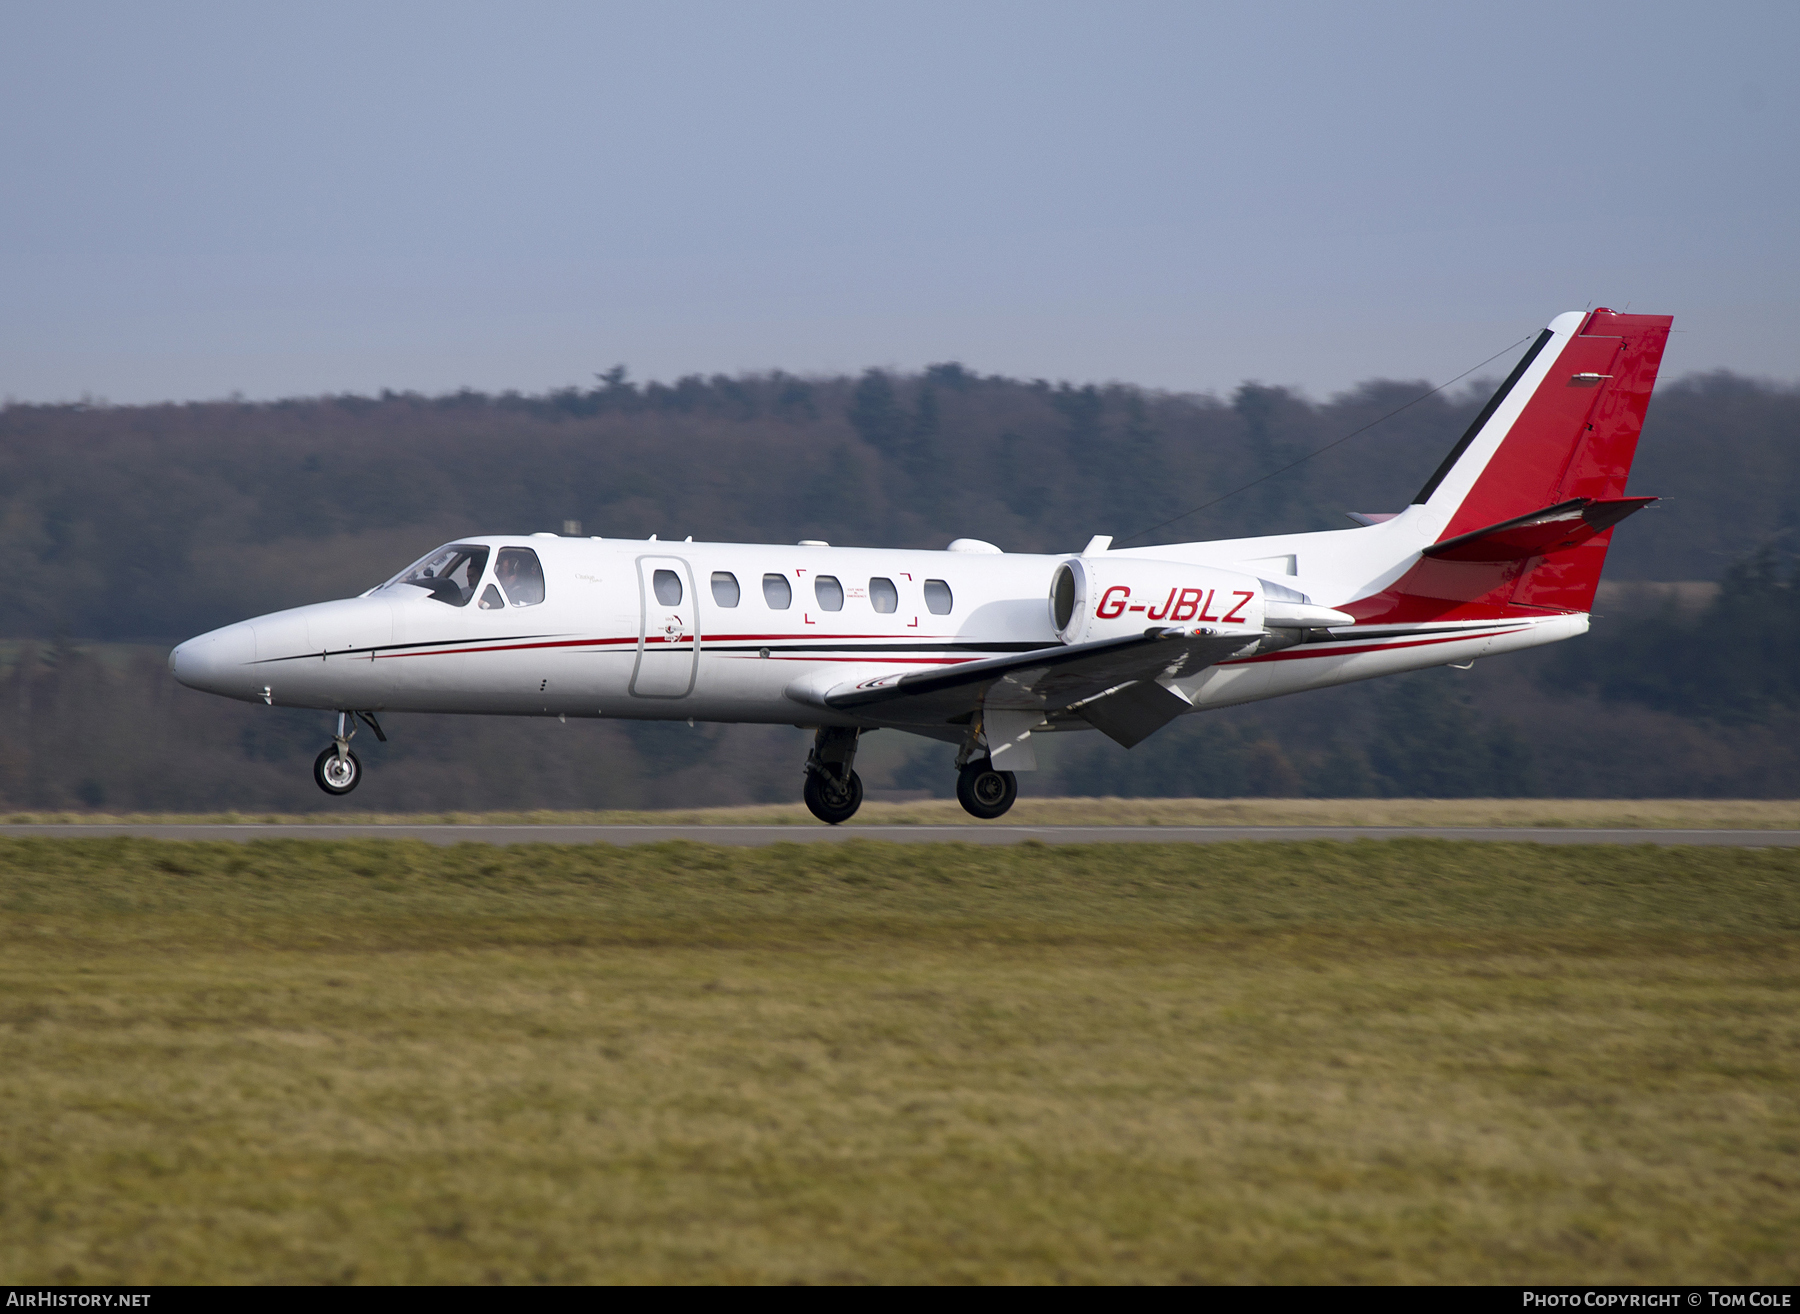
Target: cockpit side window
450 574
519 573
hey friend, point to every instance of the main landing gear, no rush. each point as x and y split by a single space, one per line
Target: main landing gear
337 770
985 792
834 791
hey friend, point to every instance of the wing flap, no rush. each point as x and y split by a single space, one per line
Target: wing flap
1050 679
1131 715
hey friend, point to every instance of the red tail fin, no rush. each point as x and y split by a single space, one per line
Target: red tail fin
1526 503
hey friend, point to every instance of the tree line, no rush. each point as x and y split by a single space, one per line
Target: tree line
157 522
143 525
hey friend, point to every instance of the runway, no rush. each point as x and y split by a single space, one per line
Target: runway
975 833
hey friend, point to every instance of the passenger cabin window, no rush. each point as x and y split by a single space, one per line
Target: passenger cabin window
725 588
937 597
518 572
884 595
777 593
449 575
667 585
829 592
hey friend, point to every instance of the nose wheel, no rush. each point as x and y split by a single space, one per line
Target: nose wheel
985 792
337 770
337 773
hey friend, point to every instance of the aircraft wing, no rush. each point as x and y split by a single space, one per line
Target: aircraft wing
1111 683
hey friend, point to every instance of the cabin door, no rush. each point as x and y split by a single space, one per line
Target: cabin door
669 638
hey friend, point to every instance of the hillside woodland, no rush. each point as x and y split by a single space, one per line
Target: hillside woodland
130 528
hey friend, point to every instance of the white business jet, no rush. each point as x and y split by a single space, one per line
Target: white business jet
1501 550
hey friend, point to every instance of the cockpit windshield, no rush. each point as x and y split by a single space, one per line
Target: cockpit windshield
450 574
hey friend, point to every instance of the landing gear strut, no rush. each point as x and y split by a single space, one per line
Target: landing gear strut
833 792
983 791
337 770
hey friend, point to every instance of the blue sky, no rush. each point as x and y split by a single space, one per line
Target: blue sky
279 200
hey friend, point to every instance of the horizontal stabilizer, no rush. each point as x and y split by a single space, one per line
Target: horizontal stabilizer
1550 530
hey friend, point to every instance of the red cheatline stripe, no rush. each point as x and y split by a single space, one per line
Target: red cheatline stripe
632 639
1286 656
871 660
816 635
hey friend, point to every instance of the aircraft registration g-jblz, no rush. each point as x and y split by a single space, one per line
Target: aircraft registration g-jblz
1501 550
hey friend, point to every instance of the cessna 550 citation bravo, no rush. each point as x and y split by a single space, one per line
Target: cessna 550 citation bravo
1501 550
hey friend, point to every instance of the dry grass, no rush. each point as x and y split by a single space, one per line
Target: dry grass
1654 813
1388 1062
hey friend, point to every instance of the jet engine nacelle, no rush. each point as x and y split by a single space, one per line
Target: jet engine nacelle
1103 597
1106 597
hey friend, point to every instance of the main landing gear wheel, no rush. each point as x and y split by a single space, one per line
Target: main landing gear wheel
985 792
337 775
830 799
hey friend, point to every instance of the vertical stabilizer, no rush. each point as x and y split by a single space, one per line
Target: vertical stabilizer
1521 512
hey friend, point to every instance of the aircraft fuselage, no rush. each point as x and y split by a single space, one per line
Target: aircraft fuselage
602 644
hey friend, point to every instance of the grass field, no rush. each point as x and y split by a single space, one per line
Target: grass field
1656 813
378 1061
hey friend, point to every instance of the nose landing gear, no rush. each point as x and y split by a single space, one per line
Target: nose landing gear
337 770
833 792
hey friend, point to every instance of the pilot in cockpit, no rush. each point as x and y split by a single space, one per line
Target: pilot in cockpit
507 571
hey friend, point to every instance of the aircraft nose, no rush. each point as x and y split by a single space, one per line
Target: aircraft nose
215 662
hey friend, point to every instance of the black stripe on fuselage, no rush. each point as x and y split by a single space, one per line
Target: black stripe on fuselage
876 649
1407 631
391 647
775 645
